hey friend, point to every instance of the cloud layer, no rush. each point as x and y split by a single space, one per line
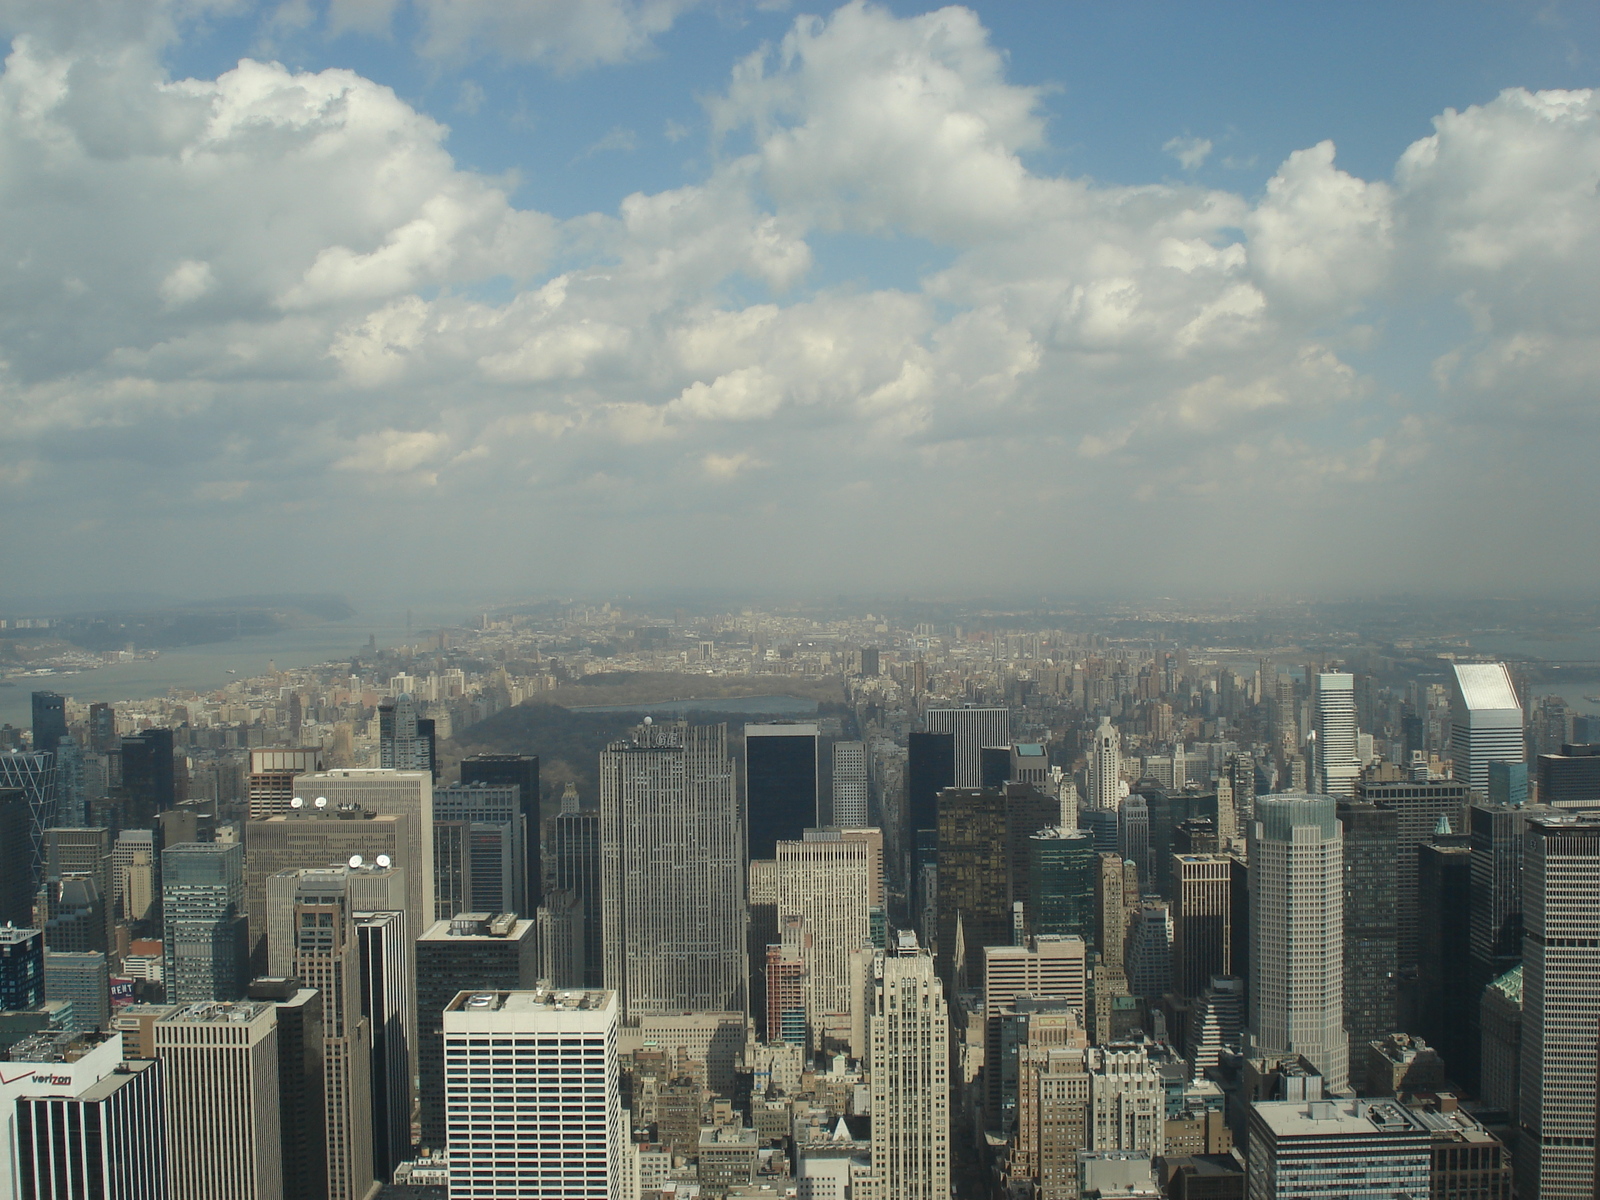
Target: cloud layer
269 310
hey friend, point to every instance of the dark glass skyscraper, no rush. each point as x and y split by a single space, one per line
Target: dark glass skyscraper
1370 930
522 771
148 780
576 850
1062 870
780 785
930 768
49 720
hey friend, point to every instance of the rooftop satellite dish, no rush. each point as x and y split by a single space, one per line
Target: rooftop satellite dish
649 720
355 860
321 802
384 860
297 802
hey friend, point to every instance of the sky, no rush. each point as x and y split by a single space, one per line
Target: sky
406 298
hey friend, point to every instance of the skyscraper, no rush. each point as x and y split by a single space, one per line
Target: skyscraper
110 1139
973 727
909 1035
1304 1149
1371 962
322 952
1338 764
34 775
1560 1006
522 772
49 721
1062 868
298 1011
492 851
86 852
1296 933
974 890
204 929
220 1062
401 793
575 849
384 953
930 768
83 980
672 871
1444 992
471 952
16 857
850 784
21 968
270 786
402 746
1417 806
1105 767
149 780
1202 937
555 1124
1485 722
780 785
1570 779
825 879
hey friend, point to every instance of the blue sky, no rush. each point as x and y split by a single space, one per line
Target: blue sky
854 291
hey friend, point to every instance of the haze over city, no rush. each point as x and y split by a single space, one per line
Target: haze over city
627 295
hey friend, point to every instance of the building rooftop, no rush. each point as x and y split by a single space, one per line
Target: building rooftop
1486 686
11 935
1335 1118
541 999
218 1012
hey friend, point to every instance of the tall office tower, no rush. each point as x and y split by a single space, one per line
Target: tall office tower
1149 961
149 780
323 953
49 721
80 1121
270 783
133 875
35 776
84 981
1500 1049
1370 930
1297 933
1417 808
783 982
1029 764
761 933
73 915
471 952
910 1066
21 968
994 766
1216 1021
401 745
575 849
1338 763
108 1140
1285 716
401 793
672 870
522 772
102 728
71 786
1045 968
1241 769
1110 911
554 1125
1202 935
974 892
492 853
1570 779
560 921
1508 783
825 878
87 852
1062 870
1445 996
319 837
1133 837
780 785
16 858
1304 1149
1127 1100
1105 767
930 769
1485 722
204 931
850 784
301 1101
220 1062
973 728
384 953
1560 1005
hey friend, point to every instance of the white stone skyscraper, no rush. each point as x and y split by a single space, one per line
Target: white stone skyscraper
554 1124
1297 933
672 865
1560 1006
1485 722
826 878
850 784
909 1039
1105 767
1338 762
